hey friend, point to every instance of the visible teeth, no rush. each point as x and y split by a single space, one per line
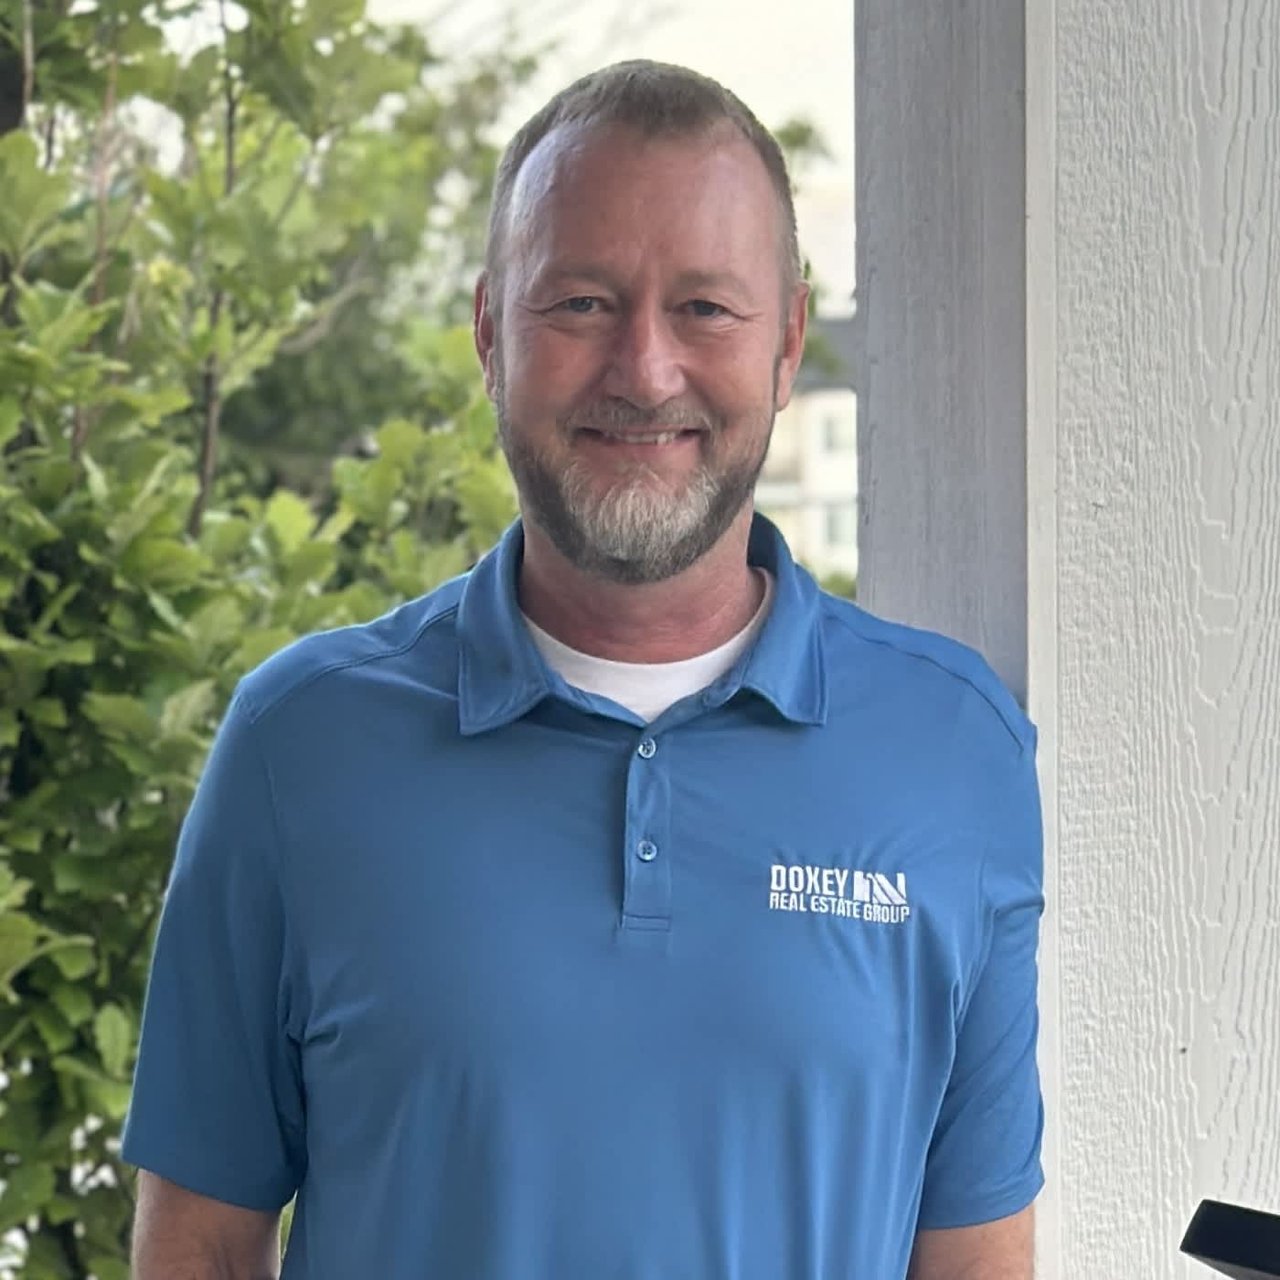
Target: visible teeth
654 437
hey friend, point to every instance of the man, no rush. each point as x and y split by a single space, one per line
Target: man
627 908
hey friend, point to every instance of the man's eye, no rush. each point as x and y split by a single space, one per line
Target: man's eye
707 310
579 306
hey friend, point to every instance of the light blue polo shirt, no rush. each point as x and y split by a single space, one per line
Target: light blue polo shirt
508 985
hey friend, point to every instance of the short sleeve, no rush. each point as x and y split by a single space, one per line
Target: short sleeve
984 1158
217 1103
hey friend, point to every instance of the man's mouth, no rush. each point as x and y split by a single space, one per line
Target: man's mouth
639 437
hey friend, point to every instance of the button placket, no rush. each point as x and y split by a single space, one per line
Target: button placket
646 901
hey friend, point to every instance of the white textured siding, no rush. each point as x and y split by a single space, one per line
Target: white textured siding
1167 435
1150 525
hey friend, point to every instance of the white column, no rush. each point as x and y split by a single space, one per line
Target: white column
941 383
1156 384
1127 563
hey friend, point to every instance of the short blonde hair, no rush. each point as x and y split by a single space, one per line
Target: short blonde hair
656 99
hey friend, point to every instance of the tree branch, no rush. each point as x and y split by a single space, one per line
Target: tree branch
211 379
28 57
255 157
50 136
102 155
323 325
291 197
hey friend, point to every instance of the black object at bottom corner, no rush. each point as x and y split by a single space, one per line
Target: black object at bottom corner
1237 1242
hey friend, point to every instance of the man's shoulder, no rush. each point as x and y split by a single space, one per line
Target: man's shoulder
920 666
358 648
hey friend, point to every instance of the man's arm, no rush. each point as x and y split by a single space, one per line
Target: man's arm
1000 1250
179 1235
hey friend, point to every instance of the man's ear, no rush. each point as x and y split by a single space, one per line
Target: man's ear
484 330
792 343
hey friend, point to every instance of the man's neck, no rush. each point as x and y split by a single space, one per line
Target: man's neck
682 617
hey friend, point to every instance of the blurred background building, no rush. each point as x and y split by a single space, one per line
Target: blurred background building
809 486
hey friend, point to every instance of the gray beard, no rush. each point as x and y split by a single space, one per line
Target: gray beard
637 532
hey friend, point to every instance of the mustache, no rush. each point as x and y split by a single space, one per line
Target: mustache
621 415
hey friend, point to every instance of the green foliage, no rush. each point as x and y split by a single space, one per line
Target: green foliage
840 584
143 307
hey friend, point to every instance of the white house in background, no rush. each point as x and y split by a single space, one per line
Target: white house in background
809 485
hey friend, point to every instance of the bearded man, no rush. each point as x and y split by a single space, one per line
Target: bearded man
627 907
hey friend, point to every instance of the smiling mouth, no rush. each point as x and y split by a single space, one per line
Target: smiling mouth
639 437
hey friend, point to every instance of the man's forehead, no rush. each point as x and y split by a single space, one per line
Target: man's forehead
553 160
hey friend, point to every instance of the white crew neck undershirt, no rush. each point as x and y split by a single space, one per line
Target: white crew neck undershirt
649 688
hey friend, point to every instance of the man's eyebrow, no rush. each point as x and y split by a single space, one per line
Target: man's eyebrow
687 281
575 273
713 281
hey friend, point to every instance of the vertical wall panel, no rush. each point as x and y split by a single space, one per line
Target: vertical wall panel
1167 298
1149 625
941 382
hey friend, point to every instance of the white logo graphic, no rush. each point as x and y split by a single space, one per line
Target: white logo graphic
873 896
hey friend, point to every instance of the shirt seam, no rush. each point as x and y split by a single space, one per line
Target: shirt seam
1020 739
256 712
987 923
292 954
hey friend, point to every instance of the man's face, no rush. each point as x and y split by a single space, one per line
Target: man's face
640 342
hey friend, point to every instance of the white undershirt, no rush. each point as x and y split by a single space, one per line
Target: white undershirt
649 688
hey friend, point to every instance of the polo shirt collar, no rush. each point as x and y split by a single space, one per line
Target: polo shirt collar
786 665
501 675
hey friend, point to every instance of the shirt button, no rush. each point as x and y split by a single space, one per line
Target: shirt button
648 749
646 851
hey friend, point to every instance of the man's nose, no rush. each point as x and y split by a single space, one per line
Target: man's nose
646 365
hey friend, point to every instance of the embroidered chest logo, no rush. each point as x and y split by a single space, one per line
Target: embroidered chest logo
872 896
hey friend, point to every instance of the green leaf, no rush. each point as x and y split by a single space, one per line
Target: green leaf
337 524
59 320
54 610
13 892
57 1034
99 487
27 1187
399 441
487 498
32 198
20 938
74 961
225 536
290 520
75 873
73 1002
313 563
188 709
162 563
166 612
10 419
260 645
49 713
46 1260
74 653
119 715
25 840
105 1268
60 1209
215 624
113 1034
195 83
112 1096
